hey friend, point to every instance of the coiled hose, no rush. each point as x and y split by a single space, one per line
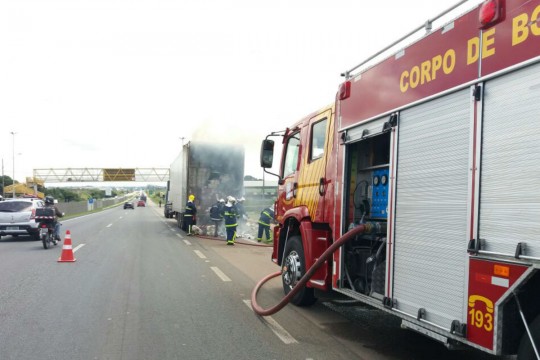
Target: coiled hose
360 229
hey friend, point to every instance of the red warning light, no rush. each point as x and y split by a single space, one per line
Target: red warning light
345 90
491 13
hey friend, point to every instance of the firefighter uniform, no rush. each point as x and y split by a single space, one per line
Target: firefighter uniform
189 214
230 214
267 215
216 215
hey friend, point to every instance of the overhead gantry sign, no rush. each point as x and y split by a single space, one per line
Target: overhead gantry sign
102 174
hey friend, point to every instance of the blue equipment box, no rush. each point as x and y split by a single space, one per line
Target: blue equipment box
379 201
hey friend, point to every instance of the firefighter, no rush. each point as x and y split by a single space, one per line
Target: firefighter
216 215
230 214
189 214
267 216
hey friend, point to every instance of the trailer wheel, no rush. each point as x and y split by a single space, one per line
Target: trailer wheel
181 221
525 350
293 268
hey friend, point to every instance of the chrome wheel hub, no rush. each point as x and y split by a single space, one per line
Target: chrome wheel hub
292 269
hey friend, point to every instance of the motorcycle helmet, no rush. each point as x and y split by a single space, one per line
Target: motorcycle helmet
49 200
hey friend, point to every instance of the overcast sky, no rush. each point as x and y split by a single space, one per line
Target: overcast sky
117 83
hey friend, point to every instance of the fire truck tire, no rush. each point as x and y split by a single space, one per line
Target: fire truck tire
293 268
525 350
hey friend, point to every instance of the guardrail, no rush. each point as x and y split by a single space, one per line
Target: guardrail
78 207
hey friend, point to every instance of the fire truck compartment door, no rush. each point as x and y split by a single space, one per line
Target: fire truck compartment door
510 171
431 208
366 130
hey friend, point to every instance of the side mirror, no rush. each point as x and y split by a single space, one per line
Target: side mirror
267 153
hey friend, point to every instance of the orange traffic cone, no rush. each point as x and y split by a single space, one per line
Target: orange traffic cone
67 249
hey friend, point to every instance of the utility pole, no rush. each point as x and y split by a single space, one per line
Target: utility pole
3 178
13 184
263 195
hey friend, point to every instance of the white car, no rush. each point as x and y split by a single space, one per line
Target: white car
17 217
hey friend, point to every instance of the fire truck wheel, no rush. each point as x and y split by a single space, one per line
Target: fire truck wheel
525 351
294 268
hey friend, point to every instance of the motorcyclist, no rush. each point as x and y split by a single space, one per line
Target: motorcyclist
49 203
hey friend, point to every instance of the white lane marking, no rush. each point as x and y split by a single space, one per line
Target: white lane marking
277 329
187 242
78 247
121 217
199 254
173 229
109 225
220 273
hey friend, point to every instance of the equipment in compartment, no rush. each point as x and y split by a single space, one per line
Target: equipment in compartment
365 257
368 176
379 194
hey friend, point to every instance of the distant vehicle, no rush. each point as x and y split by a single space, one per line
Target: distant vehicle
141 203
128 205
17 217
167 210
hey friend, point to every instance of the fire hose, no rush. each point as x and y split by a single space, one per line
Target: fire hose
236 241
360 229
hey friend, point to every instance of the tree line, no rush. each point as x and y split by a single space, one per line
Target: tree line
62 194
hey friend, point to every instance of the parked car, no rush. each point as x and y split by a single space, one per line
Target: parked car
141 203
17 217
128 205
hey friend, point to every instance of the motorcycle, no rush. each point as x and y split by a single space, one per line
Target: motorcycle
46 219
46 234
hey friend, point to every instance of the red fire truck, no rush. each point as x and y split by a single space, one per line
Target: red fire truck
434 152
